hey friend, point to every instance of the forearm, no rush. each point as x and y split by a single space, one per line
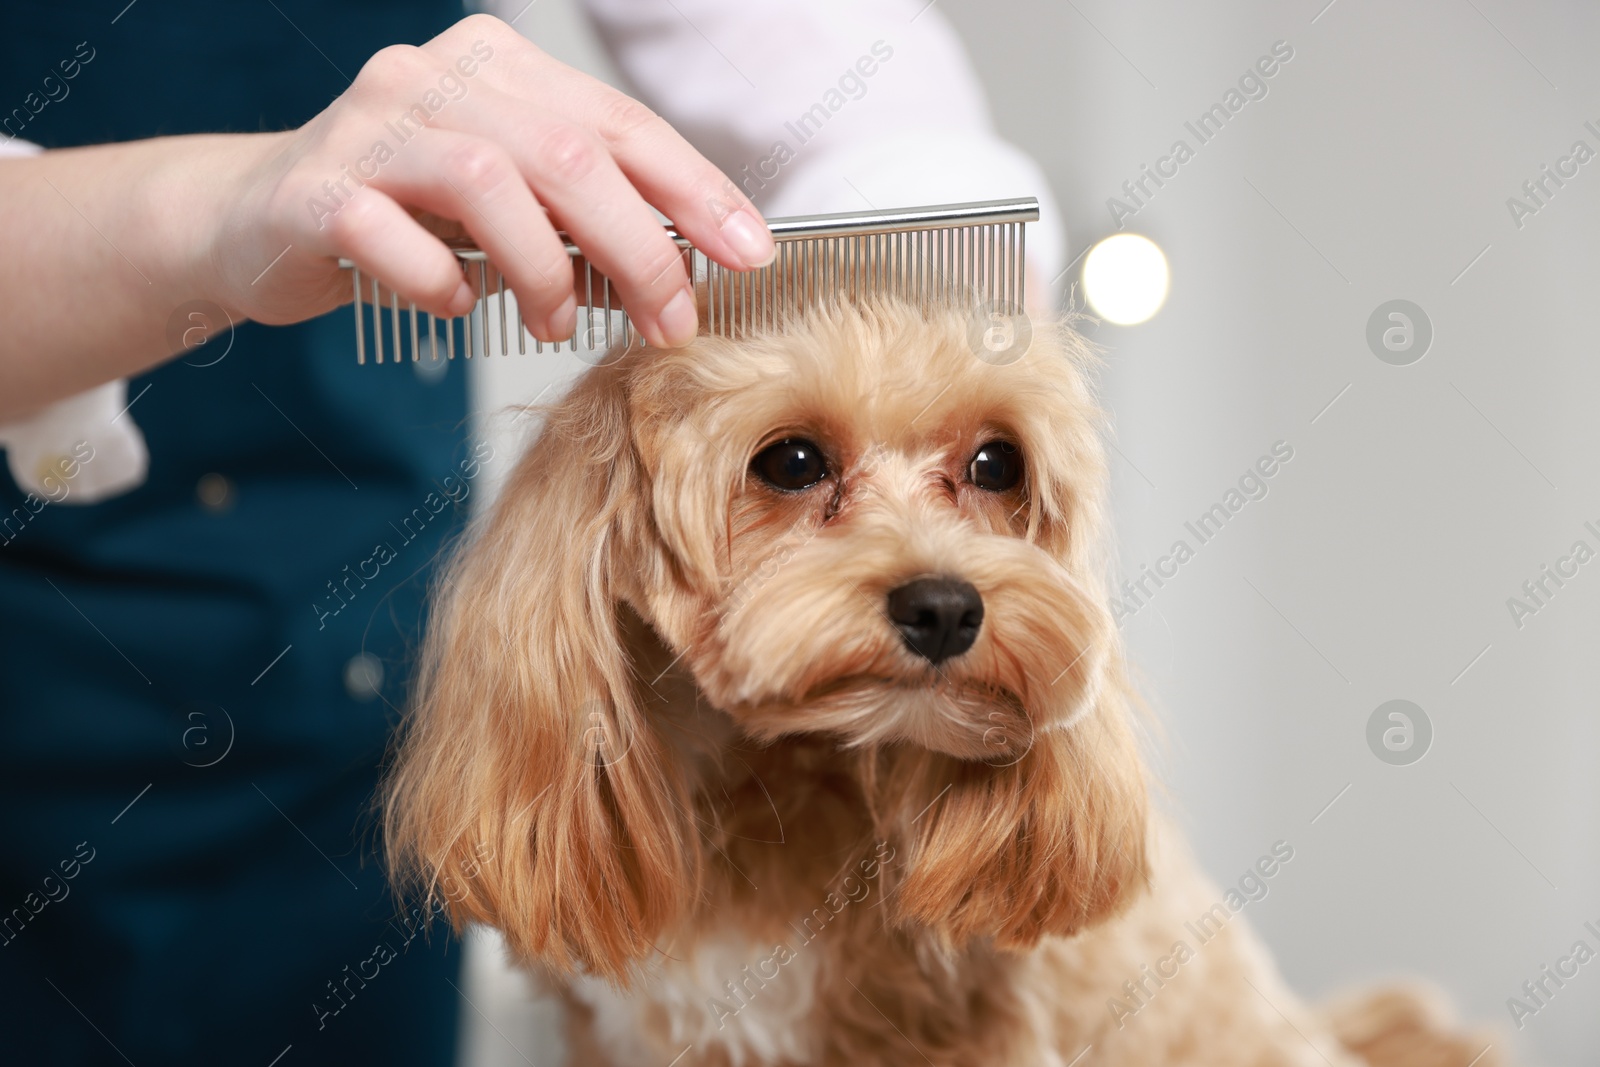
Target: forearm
103 245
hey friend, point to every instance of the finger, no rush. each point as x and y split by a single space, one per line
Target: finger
574 176
476 182
385 242
702 203
700 200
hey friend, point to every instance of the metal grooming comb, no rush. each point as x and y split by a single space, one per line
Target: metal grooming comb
967 253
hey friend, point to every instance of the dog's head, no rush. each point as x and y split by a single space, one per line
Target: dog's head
856 528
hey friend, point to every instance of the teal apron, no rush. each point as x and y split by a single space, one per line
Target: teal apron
192 717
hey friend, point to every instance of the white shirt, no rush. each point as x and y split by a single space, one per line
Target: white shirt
736 76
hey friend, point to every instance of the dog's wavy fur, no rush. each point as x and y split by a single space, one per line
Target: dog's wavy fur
664 701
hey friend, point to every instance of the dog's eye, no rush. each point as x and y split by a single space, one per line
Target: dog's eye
791 464
996 467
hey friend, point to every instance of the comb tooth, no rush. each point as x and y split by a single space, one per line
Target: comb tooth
830 266
986 287
918 254
889 266
1003 266
900 265
605 295
1022 266
980 241
892 280
450 339
994 263
361 327
522 331
819 269
1008 279
855 269
908 265
416 337
1012 268
780 291
483 308
969 261
833 265
588 307
808 270
959 272
433 336
984 281
500 286
1000 251
394 321
377 323
887 288
886 285
982 235
948 263
941 269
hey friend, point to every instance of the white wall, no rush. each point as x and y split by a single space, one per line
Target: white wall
1379 564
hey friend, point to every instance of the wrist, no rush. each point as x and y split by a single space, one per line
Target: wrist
196 201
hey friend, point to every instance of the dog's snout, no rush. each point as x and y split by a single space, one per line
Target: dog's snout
937 617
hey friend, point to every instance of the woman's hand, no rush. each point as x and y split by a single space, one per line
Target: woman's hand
480 128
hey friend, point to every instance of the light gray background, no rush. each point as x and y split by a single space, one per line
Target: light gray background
1379 565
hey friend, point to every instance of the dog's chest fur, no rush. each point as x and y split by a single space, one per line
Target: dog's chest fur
716 1000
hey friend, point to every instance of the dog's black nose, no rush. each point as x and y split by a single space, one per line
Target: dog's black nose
937 617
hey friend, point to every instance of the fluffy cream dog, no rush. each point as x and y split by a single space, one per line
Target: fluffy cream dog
782 690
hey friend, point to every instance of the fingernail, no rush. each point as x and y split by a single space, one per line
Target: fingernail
678 323
463 301
564 320
750 240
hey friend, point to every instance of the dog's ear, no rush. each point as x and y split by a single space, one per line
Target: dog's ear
1048 844
529 792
